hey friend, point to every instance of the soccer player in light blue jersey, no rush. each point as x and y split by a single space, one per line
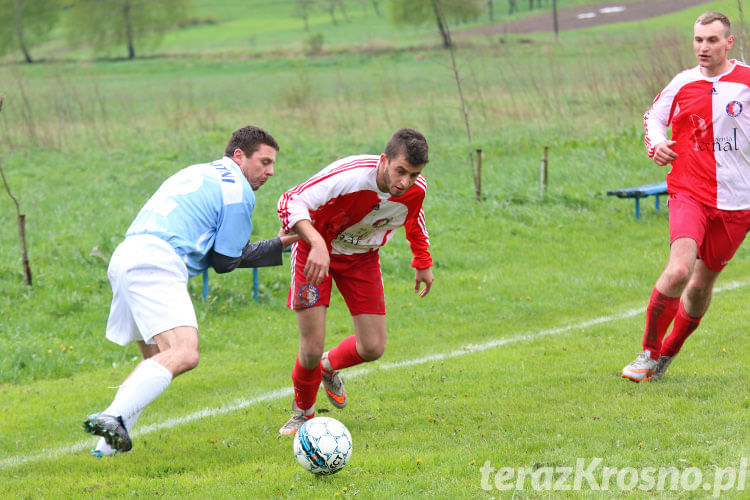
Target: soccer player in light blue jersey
199 217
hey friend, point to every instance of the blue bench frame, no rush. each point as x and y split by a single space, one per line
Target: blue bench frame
639 192
255 279
255 284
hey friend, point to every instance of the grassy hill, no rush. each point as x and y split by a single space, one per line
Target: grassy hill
513 358
275 27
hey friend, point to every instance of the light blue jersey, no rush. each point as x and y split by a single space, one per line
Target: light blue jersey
200 207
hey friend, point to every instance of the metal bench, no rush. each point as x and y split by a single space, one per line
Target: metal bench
639 192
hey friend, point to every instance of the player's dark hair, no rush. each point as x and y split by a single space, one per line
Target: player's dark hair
249 139
411 144
711 16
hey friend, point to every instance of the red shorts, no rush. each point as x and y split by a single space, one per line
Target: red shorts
357 277
718 233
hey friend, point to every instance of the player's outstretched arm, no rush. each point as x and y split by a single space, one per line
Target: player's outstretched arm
318 260
423 276
262 253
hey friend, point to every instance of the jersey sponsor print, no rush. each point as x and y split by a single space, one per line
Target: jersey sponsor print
710 122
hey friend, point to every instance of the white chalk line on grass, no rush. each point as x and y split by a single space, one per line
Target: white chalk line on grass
243 403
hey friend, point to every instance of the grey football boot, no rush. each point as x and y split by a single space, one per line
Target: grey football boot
300 416
111 428
661 367
332 383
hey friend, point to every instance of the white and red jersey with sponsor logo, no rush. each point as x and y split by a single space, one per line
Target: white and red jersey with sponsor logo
710 119
346 207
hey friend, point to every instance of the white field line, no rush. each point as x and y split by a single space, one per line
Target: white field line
242 403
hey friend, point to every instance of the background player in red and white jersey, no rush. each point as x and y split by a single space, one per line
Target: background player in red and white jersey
708 108
344 214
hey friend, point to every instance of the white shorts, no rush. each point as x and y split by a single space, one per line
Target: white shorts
149 290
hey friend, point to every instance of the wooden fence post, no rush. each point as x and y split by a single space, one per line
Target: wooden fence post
21 221
478 180
543 173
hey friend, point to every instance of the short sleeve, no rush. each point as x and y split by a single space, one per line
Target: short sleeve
235 227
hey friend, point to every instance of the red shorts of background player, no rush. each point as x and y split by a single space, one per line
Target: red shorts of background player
357 277
719 233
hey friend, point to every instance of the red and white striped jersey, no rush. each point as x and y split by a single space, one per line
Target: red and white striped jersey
346 207
710 119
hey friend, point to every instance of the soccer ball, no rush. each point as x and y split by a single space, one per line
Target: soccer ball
323 445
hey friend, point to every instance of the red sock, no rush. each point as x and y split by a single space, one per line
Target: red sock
684 325
345 354
306 383
660 312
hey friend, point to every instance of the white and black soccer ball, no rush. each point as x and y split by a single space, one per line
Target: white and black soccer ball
323 445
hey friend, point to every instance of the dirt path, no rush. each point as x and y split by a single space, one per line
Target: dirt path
574 18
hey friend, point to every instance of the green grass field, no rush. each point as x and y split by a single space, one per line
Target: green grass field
512 361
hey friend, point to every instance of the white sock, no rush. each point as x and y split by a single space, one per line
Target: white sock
106 449
147 381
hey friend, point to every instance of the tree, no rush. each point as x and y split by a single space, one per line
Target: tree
376 7
538 4
332 4
25 23
107 23
438 11
303 9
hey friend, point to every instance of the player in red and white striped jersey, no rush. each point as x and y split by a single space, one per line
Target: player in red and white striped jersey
708 108
343 215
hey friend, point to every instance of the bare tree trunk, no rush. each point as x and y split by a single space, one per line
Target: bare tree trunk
303 12
128 30
442 26
332 10
375 6
19 30
554 19
25 51
21 224
476 175
343 10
